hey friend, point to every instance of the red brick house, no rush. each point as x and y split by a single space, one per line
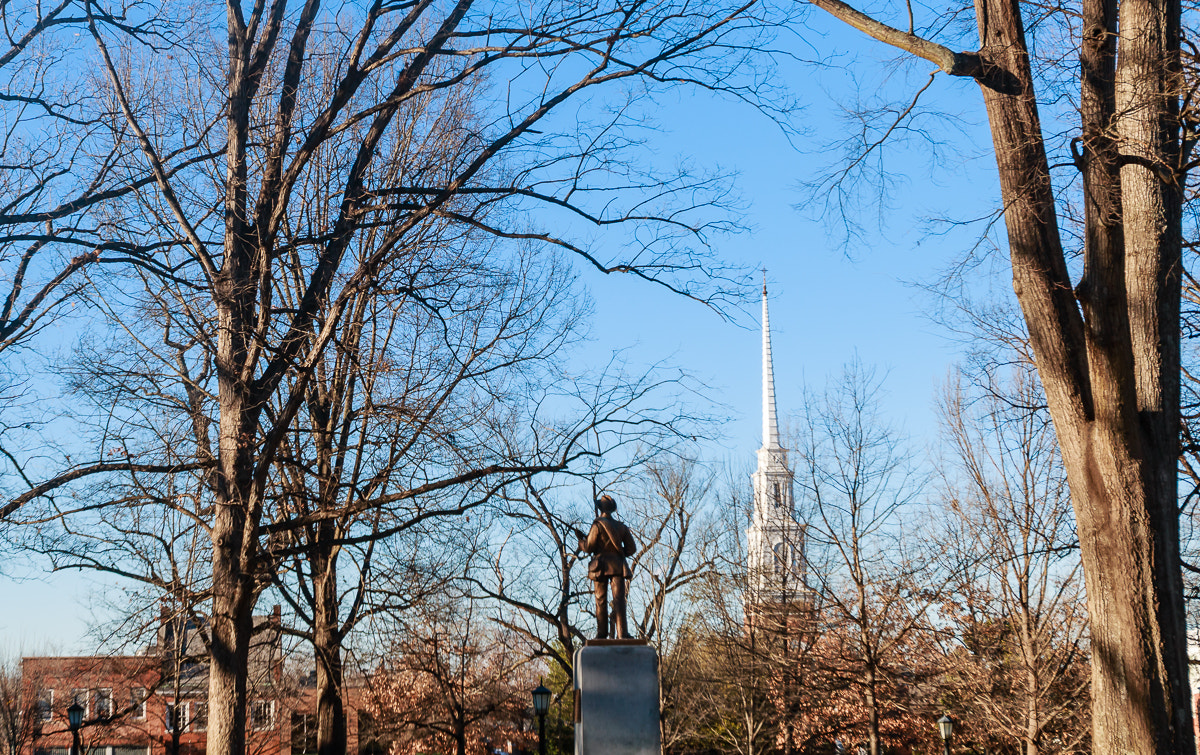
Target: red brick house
155 703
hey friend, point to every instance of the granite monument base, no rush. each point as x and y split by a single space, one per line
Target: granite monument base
616 699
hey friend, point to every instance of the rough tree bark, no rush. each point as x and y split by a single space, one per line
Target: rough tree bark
1107 350
327 646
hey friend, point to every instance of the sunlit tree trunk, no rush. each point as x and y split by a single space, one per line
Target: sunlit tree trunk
1107 350
327 646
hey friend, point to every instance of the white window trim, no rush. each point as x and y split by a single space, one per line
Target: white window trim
87 699
137 697
48 713
196 725
171 708
102 694
270 715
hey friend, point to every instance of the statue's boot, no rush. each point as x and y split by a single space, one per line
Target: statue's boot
622 633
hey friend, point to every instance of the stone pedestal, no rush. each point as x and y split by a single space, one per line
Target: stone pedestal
616 699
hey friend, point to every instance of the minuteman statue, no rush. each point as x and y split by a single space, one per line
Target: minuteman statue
610 543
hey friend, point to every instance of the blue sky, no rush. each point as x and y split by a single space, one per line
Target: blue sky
828 303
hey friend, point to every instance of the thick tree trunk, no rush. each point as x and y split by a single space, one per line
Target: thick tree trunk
872 701
234 532
1147 94
1033 722
1118 435
327 645
232 624
234 587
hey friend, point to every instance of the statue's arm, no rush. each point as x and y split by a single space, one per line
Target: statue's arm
628 545
588 544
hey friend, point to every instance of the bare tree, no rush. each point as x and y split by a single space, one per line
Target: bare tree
1019 608
875 588
401 429
1107 342
454 680
723 669
16 723
281 89
670 504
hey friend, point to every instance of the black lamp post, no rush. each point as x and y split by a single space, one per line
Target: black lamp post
74 721
945 726
541 706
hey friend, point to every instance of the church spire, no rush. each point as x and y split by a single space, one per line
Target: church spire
770 435
774 540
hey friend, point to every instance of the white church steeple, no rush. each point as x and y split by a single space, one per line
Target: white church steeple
770 434
774 541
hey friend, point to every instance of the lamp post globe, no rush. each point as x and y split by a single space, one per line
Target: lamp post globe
74 721
75 716
541 700
541 706
945 726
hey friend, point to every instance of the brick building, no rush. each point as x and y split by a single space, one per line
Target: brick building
155 703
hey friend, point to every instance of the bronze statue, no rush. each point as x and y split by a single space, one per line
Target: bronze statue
610 543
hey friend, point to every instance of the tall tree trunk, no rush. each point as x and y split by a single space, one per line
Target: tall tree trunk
1148 87
872 700
234 533
1033 724
234 586
327 644
1119 436
232 624
1110 371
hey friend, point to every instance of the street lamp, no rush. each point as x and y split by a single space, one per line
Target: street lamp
945 726
541 706
74 721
